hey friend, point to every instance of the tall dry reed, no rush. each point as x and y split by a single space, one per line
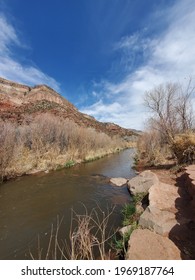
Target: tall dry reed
88 238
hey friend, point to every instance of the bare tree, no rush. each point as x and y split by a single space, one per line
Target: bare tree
184 107
171 108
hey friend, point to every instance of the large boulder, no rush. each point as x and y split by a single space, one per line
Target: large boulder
143 182
160 215
119 182
160 221
147 245
163 196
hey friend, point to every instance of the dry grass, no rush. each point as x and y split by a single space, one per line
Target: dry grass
151 149
171 123
184 148
49 142
154 152
88 238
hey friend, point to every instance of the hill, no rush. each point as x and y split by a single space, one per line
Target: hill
20 103
40 131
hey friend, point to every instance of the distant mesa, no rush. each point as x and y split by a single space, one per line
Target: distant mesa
18 93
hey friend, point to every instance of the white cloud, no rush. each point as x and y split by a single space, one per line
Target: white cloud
170 57
7 36
14 70
115 112
132 43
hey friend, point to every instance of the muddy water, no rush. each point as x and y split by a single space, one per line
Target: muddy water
30 204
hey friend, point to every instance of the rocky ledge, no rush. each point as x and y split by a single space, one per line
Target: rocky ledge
165 230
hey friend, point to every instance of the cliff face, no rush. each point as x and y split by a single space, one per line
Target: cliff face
19 94
18 101
12 92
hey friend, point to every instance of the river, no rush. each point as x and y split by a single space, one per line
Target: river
30 204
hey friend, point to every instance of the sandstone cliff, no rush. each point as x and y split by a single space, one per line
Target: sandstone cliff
18 93
18 102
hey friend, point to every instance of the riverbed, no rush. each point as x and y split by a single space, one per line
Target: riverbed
30 204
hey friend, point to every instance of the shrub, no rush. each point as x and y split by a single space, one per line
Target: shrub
48 142
7 145
184 148
151 149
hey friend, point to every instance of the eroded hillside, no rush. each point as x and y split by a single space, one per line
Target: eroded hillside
21 103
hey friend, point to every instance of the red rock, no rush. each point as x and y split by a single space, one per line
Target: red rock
143 182
147 245
18 102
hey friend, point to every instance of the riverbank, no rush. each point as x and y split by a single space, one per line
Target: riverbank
29 205
166 226
29 163
48 142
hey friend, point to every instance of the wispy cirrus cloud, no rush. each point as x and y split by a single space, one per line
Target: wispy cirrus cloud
8 36
166 56
10 67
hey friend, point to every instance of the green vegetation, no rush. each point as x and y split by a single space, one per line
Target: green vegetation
120 245
128 211
70 163
139 197
130 218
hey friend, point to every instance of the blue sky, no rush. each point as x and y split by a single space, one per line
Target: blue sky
102 55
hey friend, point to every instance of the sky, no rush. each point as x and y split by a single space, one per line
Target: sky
101 55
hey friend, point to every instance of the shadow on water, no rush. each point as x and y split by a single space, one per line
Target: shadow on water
30 204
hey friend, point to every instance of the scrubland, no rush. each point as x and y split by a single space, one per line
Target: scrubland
50 142
169 135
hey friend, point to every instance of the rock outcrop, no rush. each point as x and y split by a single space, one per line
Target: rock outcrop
160 214
160 221
167 226
151 240
147 245
143 182
18 93
19 103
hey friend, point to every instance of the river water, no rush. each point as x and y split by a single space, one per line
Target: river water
30 204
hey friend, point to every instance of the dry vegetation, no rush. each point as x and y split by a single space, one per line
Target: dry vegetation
184 147
170 132
88 238
49 142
